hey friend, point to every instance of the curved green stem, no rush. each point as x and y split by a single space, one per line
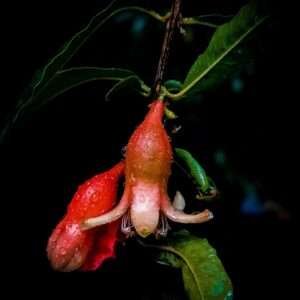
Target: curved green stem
214 16
195 21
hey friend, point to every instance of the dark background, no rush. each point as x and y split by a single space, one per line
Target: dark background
249 119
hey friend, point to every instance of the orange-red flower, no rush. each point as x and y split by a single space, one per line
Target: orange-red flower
69 247
145 200
89 231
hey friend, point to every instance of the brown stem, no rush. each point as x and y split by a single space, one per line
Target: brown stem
172 24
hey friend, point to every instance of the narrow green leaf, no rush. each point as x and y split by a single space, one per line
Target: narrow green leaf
70 78
225 53
132 82
195 169
51 73
203 274
67 79
70 48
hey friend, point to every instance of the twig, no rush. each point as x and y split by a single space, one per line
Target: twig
172 23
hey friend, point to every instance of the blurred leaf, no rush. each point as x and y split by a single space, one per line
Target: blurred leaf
132 82
203 274
195 169
70 78
70 48
173 86
225 53
52 72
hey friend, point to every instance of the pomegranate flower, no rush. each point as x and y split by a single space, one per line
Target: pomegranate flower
69 247
145 204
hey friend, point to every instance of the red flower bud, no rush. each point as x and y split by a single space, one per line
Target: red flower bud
69 247
148 167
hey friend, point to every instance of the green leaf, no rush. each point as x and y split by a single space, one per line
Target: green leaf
195 169
132 82
173 86
53 77
70 78
203 274
70 48
226 52
67 79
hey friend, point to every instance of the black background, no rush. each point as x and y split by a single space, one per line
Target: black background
79 134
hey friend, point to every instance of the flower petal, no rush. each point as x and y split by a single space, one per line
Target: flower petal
105 240
69 246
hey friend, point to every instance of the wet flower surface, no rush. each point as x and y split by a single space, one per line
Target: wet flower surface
88 233
69 247
145 200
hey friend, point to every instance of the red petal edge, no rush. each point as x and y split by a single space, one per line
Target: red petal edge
105 241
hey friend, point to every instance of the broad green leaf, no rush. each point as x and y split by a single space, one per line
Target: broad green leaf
195 169
203 274
226 52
